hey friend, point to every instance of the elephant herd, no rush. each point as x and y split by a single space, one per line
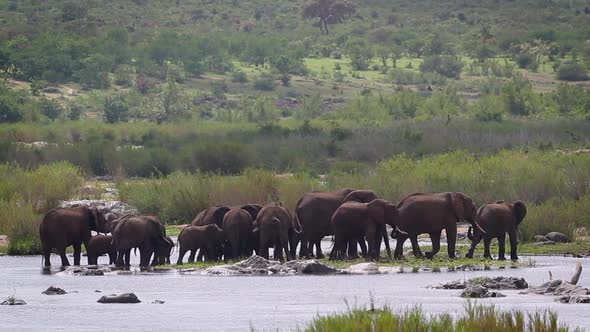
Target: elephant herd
354 217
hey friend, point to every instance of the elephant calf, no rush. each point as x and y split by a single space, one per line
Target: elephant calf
206 238
100 245
497 219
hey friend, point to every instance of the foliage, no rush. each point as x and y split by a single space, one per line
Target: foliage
264 83
329 12
10 109
115 109
448 66
475 318
572 72
50 108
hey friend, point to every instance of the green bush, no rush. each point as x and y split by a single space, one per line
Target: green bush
448 66
21 225
264 83
115 109
50 108
572 72
239 76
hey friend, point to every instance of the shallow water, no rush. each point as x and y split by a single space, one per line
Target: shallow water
209 303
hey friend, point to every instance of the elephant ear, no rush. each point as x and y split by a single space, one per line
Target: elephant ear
252 209
361 196
519 211
220 211
376 211
93 218
458 205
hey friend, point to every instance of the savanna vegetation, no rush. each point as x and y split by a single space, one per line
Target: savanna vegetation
193 102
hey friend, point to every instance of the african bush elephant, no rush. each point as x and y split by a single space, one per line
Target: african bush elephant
431 213
497 219
144 232
101 245
237 225
212 215
313 213
162 253
63 227
272 228
353 221
205 238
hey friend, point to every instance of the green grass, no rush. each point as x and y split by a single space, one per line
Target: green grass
475 318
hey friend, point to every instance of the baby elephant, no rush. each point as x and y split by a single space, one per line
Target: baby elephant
194 238
497 219
100 245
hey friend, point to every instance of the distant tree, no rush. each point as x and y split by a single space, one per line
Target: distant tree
75 112
329 12
9 107
73 10
115 109
50 108
572 71
360 53
445 65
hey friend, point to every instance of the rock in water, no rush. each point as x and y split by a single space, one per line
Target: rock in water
311 266
122 298
259 265
574 299
54 291
479 292
558 237
486 282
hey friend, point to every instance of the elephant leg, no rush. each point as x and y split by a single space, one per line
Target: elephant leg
336 253
486 247
398 253
77 253
64 258
416 247
191 256
435 239
285 247
47 255
120 258
502 247
363 244
474 244
303 249
451 240
318 248
181 254
352 249
513 245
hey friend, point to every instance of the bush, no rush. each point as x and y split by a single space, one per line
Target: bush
527 61
21 226
115 109
239 76
10 110
572 72
264 83
445 65
50 108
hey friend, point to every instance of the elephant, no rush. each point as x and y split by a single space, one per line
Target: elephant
431 213
497 219
314 211
353 221
144 232
272 228
237 225
63 227
212 215
162 253
205 238
100 245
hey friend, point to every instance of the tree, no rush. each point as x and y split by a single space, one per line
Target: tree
329 12
115 109
360 53
9 107
50 108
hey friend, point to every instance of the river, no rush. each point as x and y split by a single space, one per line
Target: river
225 303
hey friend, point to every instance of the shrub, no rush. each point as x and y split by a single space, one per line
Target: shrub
239 76
115 109
264 83
572 72
448 66
21 226
50 108
123 75
527 61
10 110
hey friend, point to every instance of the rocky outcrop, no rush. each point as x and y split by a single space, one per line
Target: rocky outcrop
54 291
568 291
363 268
121 298
486 282
479 292
259 265
558 237
111 209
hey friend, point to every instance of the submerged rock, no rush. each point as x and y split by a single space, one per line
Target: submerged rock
558 237
158 302
13 301
558 287
90 270
486 282
479 292
310 266
54 291
122 298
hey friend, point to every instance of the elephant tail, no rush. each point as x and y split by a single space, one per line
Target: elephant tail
470 233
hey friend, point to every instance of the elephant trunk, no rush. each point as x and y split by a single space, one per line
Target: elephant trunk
386 240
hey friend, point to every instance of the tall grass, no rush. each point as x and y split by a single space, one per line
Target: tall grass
26 195
475 318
